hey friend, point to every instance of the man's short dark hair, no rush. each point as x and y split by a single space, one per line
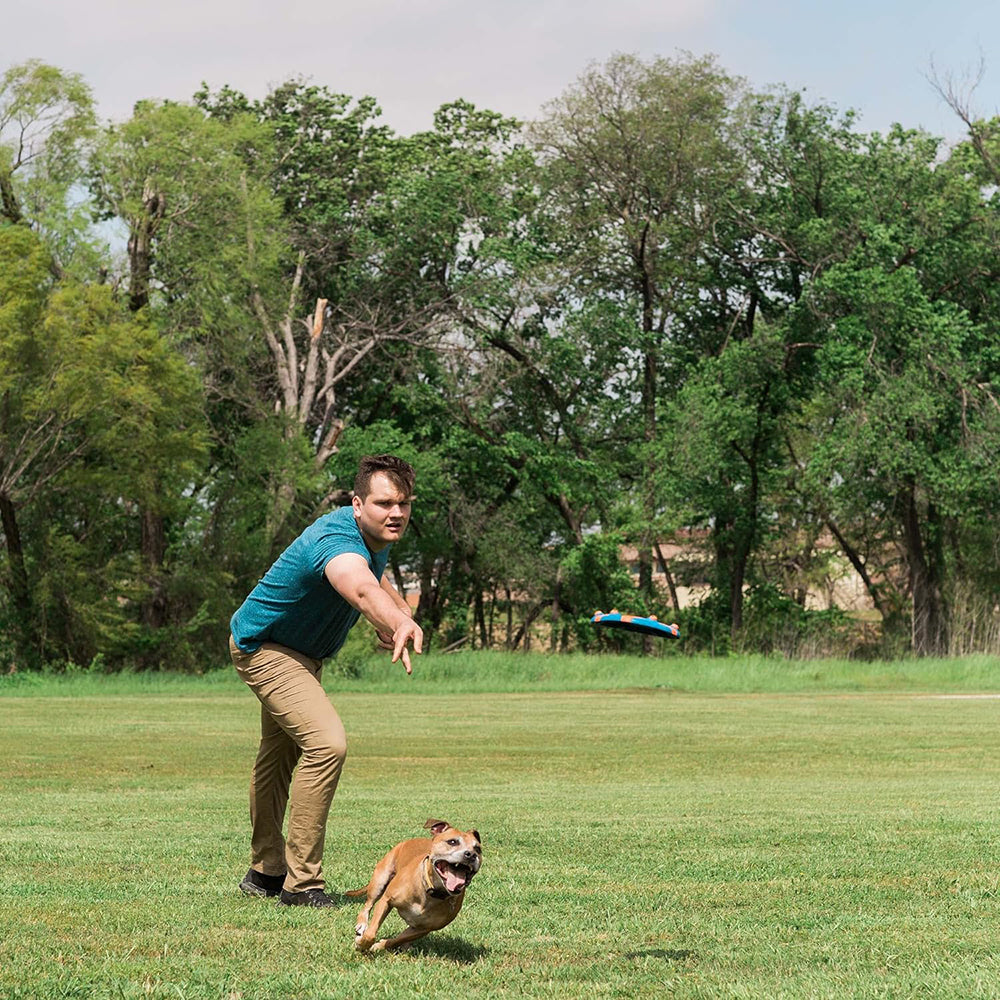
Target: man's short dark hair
400 474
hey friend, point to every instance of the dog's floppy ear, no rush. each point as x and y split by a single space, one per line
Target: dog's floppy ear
475 833
436 825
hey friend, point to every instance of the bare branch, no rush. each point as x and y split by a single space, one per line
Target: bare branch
957 94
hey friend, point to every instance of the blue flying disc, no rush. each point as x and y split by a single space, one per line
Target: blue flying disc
635 623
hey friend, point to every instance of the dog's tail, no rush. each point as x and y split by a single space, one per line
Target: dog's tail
355 893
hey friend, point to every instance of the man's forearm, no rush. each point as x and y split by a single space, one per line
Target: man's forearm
383 610
397 598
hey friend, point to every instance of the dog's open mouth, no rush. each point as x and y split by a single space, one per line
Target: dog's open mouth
455 877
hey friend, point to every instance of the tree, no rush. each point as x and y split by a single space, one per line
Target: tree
388 237
874 244
203 235
46 122
28 442
911 428
82 382
637 158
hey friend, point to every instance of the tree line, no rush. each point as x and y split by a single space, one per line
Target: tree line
672 307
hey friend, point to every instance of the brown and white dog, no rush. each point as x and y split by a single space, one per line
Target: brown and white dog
423 880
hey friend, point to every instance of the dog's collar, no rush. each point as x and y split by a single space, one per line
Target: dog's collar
429 886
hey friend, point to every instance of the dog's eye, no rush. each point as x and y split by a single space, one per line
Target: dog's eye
453 842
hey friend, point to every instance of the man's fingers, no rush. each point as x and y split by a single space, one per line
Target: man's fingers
407 632
401 652
401 638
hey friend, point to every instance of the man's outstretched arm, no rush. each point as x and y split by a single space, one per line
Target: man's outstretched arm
352 578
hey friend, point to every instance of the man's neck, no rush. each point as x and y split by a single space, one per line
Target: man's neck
373 544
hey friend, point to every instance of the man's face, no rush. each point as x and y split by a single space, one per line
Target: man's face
384 514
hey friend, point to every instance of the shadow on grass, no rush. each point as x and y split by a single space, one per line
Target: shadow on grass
342 899
667 954
457 949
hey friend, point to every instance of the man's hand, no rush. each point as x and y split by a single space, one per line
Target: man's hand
408 631
384 639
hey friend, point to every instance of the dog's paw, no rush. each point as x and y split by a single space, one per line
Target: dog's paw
365 944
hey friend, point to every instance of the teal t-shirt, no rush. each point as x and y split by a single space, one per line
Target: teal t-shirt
294 604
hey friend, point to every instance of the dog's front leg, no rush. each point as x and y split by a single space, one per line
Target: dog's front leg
401 940
365 936
381 877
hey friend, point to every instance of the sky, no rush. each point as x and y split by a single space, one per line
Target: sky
512 55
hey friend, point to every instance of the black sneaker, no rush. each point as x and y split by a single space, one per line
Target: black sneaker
308 897
258 884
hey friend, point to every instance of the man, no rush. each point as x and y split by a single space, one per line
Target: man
296 616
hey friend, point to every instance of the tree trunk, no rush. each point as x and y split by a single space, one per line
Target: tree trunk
556 593
140 256
646 538
722 532
668 576
745 533
929 630
732 555
649 379
739 552
429 605
524 629
284 494
480 614
140 247
397 575
510 617
736 581
569 516
25 638
854 557
154 547
11 210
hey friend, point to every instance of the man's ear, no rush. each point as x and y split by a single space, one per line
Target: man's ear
356 503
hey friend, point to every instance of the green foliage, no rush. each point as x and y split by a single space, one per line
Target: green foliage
672 310
46 125
595 579
774 623
24 283
113 418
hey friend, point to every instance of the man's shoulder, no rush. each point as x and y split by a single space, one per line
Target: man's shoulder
338 520
338 528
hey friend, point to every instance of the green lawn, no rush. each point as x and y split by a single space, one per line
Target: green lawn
637 843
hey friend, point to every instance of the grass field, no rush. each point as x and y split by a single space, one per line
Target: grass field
682 828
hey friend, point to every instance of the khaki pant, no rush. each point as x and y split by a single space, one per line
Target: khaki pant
298 725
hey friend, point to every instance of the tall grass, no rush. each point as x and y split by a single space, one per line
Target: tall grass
974 622
485 672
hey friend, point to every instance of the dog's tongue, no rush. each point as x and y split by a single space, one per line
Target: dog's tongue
453 879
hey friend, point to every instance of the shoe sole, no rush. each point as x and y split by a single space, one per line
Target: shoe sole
312 906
